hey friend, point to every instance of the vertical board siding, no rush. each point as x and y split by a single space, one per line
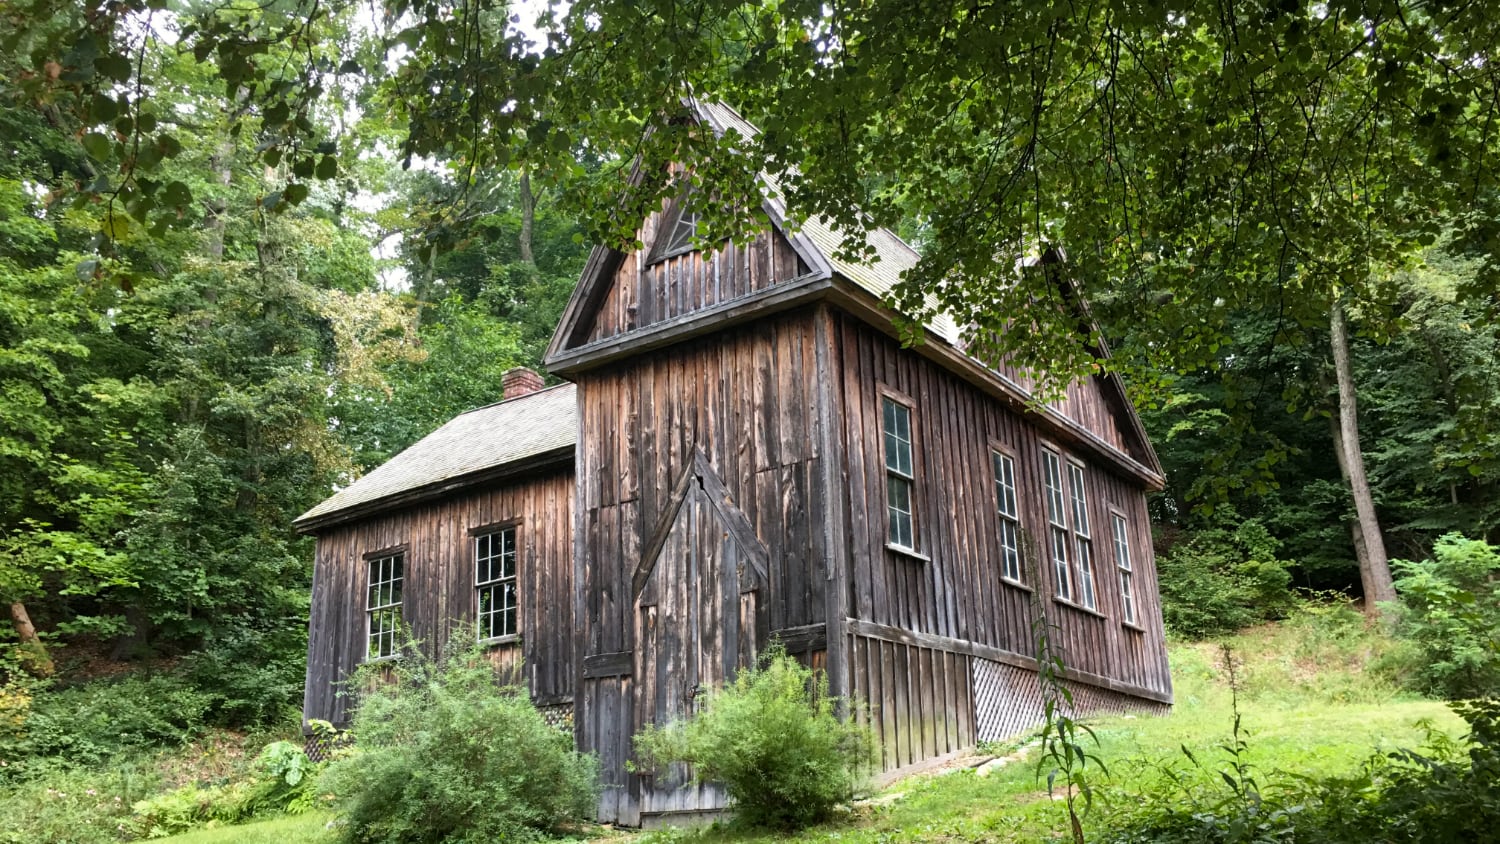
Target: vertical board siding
645 294
957 592
438 596
745 399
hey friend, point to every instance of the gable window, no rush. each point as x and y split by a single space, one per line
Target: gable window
1057 524
1010 516
899 474
1082 540
1122 565
383 604
675 236
495 583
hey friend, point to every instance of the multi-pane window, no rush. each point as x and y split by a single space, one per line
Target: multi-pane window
1122 564
1057 523
1082 540
1010 515
383 604
899 476
495 582
679 239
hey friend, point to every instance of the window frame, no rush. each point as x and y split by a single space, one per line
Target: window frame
999 452
661 250
1083 539
1119 532
897 398
512 526
1055 502
383 611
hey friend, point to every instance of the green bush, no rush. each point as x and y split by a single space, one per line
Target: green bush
442 753
94 722
1450 613
774 739
1223 578
189 807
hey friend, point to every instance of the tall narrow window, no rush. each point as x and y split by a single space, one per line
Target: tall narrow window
899 475
1057 524
495 581
1082 540
383 604
1010 516
1122 564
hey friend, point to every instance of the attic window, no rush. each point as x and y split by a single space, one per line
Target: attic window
676 233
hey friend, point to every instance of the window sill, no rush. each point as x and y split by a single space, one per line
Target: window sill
1132 626
1080 608
1016 584
496 641
380 659
907 552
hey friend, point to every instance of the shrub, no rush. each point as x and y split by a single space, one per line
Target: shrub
444 754
91 723
1451 614
774 739
186 808
1223 578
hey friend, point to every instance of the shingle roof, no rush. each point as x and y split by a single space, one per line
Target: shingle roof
893 255
470 443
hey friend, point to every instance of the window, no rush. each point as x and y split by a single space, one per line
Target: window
383 604
1082 541
495 582
676 236
1010 518
1122 564
899 475
1057 524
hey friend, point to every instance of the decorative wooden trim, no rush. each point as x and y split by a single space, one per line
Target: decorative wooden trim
910 553
653 546
886 633
810 637
496 527
833 456
733 518
770 300
618 664
389 551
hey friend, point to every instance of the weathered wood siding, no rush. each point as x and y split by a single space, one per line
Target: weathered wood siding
1086 403
645 294
438 593
912 615
734 412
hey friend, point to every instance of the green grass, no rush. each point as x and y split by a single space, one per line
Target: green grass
294 828
1311 699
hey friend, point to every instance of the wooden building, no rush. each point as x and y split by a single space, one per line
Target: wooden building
755 456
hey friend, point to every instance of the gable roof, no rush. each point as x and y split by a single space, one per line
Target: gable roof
494 441
818 244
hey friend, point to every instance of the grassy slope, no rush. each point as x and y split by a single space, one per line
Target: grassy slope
1309 703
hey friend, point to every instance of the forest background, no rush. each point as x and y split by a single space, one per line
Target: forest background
231 280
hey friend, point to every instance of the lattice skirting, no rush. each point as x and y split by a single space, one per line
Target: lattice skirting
1008 700
321 748
558 715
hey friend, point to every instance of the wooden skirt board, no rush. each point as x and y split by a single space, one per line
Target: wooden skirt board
1008 701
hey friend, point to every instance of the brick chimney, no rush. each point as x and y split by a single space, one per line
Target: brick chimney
520 382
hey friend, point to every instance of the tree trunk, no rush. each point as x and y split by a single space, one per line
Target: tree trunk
1374 568
34 656
528 218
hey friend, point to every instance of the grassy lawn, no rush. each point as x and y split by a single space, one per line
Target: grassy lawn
308 827
1309 702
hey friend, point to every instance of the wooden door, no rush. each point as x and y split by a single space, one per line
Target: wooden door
701 616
